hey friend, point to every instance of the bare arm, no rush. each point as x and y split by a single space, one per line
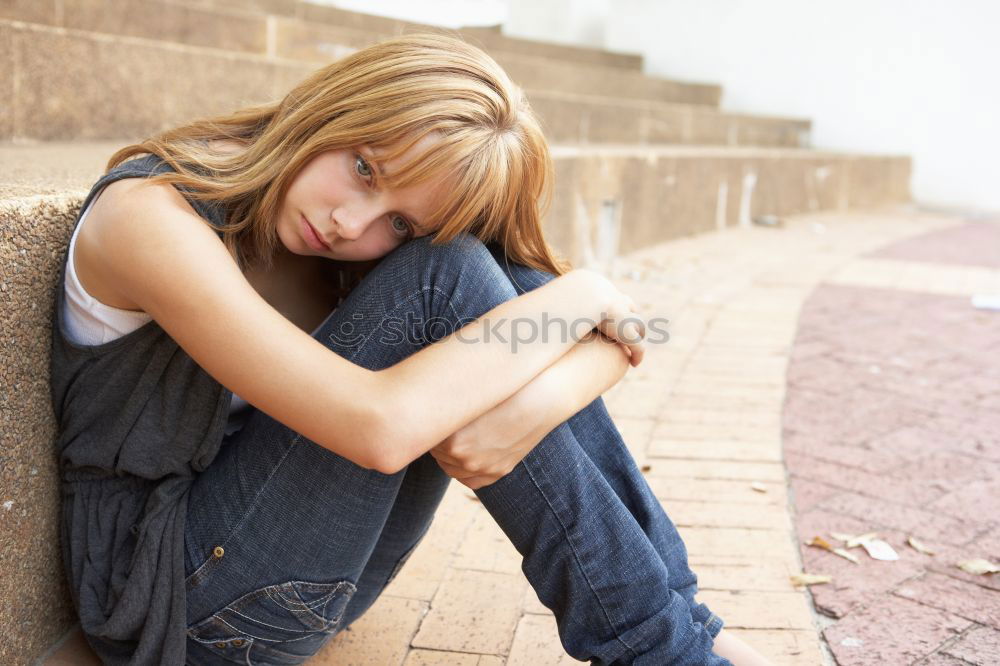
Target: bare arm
490 447
574 381
152 249
444 386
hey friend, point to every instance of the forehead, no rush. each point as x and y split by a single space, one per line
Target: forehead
390 162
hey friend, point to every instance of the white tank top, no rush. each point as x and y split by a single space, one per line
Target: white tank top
90 322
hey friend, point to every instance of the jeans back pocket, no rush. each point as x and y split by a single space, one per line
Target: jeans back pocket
278 624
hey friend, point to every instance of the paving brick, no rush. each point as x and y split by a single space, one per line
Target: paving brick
861 482
709 413
916 522
805 494
635 399
380 636
947 557
941 659
437 658
684 398
891 631
853 585
486 548
531 603
980 645
784 647
716 469
670 429
536 641
758 609
979 604
968 502
972 244
473 611
718 490
716 450
948 470
728 514
860 456
770 575
729 545
423 572
635 432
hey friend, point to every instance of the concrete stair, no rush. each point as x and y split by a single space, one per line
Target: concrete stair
261 55
639 161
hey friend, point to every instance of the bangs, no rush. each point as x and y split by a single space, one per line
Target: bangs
476 173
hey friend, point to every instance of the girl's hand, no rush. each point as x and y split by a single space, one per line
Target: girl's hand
489 447
622 322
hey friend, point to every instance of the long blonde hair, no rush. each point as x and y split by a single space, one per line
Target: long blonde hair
388 96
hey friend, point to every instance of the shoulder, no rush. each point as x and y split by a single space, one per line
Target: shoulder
128 213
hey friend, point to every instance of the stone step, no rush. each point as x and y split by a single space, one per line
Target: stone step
297 38
607 199
588 119
70 84
491 38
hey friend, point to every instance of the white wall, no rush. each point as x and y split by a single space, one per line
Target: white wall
884 76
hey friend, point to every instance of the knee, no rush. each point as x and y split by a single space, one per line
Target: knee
523 278
462 251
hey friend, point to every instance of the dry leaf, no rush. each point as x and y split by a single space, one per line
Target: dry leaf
804 579
979 567
820 542
854 542
919 547
844 554
759 487
880 550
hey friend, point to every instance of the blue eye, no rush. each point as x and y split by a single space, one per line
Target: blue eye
403 229
362 167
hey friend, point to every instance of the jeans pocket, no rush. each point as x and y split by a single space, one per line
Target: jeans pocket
279 624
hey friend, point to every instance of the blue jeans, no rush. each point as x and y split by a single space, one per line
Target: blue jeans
287 543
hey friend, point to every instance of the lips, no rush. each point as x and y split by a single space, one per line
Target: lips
317 239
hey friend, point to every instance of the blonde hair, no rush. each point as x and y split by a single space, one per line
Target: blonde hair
387 96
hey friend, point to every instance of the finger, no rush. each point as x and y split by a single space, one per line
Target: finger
638 352
440 456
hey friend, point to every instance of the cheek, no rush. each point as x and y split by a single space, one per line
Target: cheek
375 246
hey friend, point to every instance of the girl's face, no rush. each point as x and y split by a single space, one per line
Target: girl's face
336 207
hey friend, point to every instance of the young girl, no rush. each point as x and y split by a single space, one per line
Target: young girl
233 492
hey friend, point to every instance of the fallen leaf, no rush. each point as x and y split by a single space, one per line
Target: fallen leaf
759 487
804 579
820 542
880 550
844 554
979 567
919 547
859 540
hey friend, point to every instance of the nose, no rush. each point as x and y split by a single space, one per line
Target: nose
351 222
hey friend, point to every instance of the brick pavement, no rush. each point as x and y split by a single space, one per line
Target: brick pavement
704 412
891 425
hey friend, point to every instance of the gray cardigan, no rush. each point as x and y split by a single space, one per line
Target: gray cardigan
138 420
